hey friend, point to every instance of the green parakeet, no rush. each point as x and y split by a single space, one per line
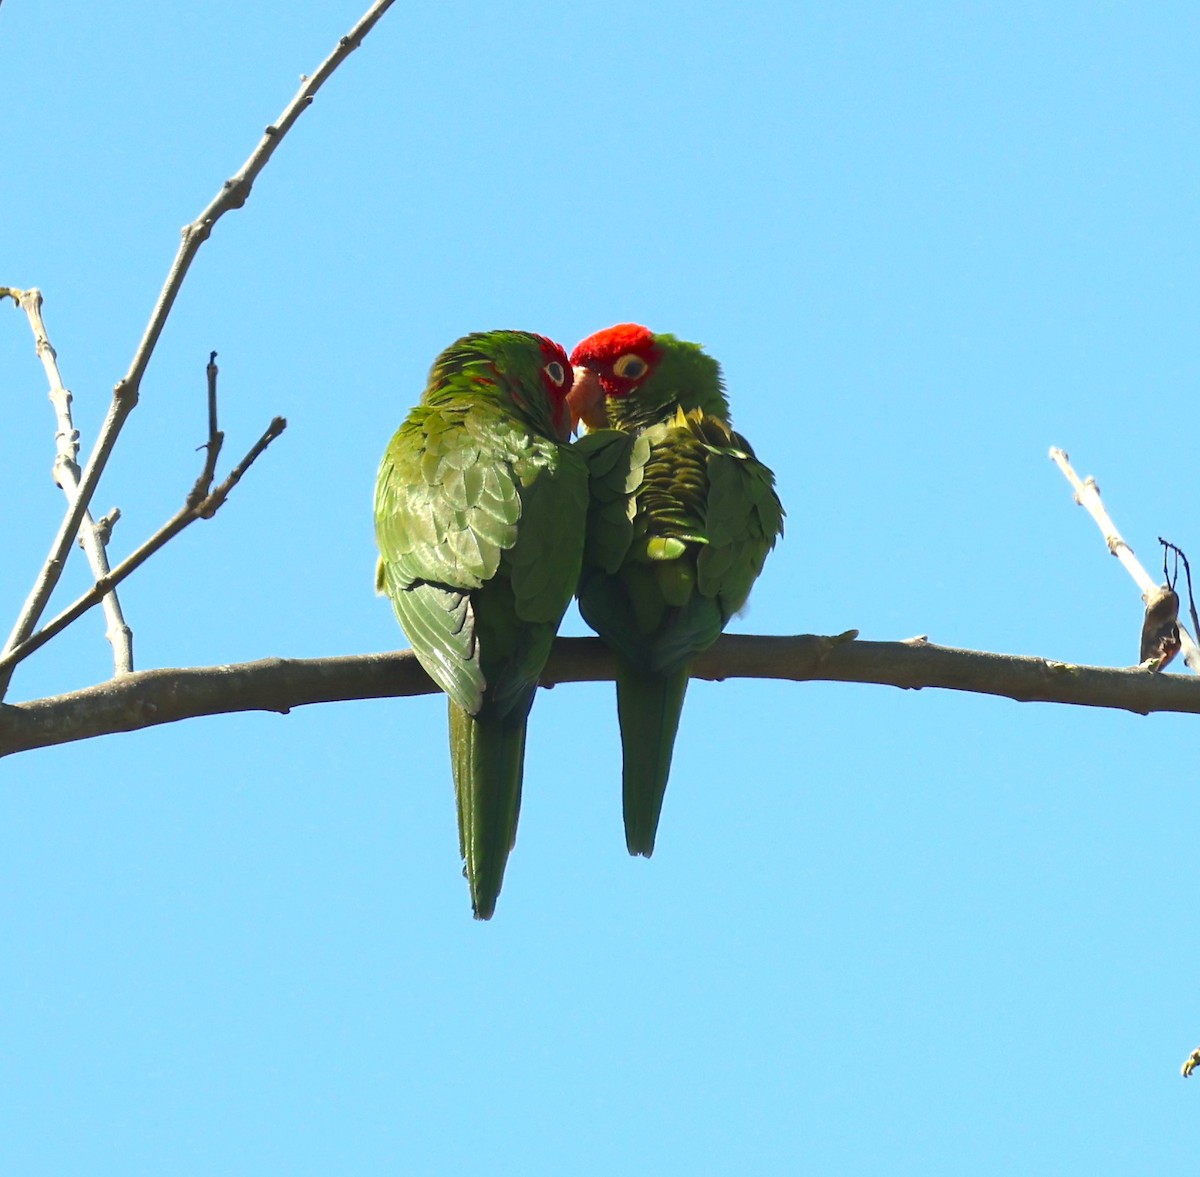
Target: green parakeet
681 520
480 511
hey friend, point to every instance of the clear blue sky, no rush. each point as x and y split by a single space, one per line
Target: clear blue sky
917 933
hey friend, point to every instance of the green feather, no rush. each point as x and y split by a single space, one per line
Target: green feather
648 707
487 754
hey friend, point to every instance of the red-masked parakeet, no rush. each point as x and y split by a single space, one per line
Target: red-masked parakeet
682 517
480 512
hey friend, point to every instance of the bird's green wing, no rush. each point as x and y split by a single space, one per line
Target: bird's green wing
447 506
519 610
703 515
743 517
645 523
616 463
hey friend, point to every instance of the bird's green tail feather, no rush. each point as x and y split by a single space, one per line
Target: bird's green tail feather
649 706
487 754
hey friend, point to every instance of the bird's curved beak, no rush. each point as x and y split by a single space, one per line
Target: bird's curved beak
586 399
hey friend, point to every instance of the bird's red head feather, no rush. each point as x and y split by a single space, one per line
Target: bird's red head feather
612 362
557 375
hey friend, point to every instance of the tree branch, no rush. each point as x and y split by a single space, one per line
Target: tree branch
93 536
154 697
1087 495
233 194
193 509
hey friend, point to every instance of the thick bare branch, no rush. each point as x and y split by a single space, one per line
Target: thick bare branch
279 684
233 195
1087 495
93 536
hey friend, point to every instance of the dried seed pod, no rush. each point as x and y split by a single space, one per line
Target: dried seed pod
1160 629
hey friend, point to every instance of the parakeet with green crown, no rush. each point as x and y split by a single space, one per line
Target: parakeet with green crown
682 517
480 510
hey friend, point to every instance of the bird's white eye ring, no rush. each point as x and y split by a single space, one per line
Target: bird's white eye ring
558 376
630 367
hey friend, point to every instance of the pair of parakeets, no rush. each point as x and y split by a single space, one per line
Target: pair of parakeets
489 521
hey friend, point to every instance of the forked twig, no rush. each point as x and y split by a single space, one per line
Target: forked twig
205 508
93 535
233 194
1087 495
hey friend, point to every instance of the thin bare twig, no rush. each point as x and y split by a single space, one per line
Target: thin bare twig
278 684
1087 495
206 508
209 507
233 194
1187 568
216 438
93 535
210 373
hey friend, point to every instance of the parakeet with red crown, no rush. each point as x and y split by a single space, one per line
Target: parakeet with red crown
480 510
682 517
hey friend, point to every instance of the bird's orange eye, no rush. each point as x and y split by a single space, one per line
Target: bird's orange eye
630 367
556 372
